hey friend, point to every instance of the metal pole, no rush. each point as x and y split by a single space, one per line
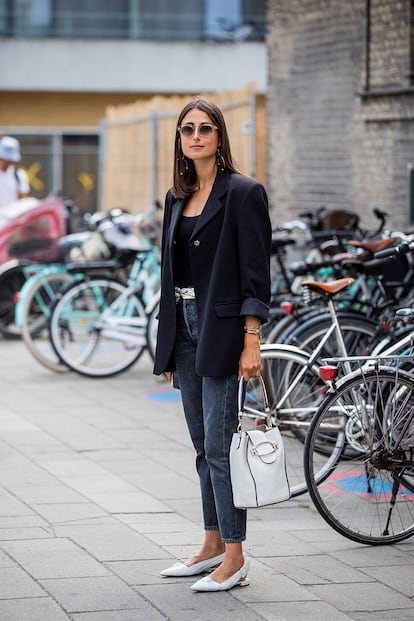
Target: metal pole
253 137
368 45
57 164
101 163
153 158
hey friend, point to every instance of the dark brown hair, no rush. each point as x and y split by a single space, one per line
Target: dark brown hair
185 177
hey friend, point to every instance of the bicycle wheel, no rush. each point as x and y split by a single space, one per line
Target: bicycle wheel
35 315
152 329
357 333
97 327
366 497
293 388
10 284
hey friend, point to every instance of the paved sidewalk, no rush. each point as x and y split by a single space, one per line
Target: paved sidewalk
98 494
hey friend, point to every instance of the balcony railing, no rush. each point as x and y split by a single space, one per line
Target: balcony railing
132 25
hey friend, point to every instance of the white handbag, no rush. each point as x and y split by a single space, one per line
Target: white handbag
257 461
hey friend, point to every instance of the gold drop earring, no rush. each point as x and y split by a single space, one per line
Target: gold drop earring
183 159
221 162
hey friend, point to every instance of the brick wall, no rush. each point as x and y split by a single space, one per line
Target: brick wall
339 135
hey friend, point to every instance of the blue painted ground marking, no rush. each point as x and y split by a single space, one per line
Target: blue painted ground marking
167 396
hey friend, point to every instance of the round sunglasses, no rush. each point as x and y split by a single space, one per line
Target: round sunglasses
204 129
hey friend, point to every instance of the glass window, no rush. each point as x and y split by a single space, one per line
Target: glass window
62 164
80 170
37 161
221 20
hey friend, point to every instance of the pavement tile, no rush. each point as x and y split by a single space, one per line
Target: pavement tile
11 506
54 558
361 597
168 484
16 583
317 569
324 536
73 467
44 494
299 611
103 418
112 456
80 437
266 584
27 438
178 538
136 573
5 560
128 502
278 544
91 484
378 555
158 523
7 534
64 513
9 421
19 470
98 552
400 614
288 516
398 577
22 521
92 594
179 603
111 542
139 614
31 609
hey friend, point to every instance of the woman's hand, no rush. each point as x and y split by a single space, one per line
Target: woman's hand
249 363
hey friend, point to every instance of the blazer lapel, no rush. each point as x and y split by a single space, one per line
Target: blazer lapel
177 209
214 202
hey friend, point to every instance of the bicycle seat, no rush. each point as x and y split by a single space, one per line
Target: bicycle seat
281 243
335 286
374 245
110 264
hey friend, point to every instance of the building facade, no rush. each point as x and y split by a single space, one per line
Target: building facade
65 61
341 107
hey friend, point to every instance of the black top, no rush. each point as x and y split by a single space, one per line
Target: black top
182 268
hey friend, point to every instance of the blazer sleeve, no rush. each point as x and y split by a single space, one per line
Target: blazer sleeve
254 237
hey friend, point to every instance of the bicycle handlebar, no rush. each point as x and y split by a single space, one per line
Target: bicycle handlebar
403 248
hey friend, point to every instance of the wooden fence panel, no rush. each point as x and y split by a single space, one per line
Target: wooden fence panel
138 145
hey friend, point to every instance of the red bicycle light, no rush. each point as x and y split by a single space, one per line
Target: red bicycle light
327 373
287 307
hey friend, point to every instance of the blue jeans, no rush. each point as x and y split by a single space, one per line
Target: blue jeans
210 408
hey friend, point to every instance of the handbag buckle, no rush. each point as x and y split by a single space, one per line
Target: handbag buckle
257 453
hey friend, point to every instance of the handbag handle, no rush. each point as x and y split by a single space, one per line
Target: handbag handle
242 395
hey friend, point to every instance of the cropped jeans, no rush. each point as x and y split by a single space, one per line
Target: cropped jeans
210 408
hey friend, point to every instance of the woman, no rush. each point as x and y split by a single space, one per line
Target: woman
14 182
215 293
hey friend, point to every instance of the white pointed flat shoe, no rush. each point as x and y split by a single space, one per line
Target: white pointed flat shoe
180 570
237 579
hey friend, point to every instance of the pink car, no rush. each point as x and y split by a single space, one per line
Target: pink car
30 230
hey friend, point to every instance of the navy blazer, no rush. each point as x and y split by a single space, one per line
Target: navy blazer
230 264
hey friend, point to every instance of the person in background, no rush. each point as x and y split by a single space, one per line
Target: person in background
14 183
215 293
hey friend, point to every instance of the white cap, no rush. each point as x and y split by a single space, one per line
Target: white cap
10 149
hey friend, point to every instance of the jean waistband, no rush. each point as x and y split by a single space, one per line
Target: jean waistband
186 293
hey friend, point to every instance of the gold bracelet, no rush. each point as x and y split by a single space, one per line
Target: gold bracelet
253 330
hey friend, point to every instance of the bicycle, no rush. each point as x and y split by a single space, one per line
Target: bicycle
359 451
293 384
44 282
100 326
